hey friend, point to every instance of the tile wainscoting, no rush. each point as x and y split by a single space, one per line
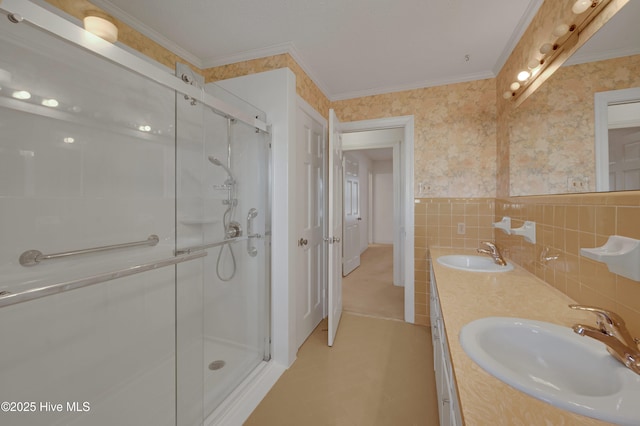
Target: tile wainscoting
564 224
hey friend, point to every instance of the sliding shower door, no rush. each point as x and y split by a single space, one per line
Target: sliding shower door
223 193
134 236
87 153
236 321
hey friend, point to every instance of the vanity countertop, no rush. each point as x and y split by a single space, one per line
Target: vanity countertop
467 296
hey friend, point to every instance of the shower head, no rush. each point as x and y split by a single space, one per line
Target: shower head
217 162
214 160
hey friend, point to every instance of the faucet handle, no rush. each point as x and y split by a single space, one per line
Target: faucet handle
610 318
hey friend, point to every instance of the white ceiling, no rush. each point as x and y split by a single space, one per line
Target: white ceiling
349 48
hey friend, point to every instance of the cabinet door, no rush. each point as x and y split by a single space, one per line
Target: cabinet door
446 414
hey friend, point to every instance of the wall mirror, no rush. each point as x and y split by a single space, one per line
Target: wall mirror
556 143
617 140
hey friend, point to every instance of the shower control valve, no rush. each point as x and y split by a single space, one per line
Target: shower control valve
234 230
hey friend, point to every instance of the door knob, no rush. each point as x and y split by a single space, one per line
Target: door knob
359 218
302 242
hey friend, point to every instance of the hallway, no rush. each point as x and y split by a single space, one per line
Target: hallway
369 289
378 373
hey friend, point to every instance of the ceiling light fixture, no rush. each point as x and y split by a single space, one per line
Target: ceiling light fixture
101 27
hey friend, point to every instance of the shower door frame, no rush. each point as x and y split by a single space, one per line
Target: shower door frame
60 27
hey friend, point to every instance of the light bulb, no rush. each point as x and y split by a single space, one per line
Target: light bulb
507 95
68 140
144 128
561 30
50 103
534 63
546 48
523 75
514 86
22 95
580 6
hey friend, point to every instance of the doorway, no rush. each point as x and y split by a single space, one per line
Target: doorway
369 287
361 135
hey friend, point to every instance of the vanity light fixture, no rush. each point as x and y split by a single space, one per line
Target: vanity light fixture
565 36
101 27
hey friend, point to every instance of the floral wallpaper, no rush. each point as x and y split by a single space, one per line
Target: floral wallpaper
305 87
454 134
551 134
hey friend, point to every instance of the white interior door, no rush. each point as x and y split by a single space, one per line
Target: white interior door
352 215
310 156
335 225
624 159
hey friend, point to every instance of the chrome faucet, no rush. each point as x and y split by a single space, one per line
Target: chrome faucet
492 251
612 331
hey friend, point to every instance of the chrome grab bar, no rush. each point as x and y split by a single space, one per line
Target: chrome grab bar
7 298
216 244
33 257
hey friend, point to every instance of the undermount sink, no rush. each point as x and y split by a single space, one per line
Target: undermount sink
473 263
552 363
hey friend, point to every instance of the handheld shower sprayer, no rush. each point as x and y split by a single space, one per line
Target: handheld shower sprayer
217 162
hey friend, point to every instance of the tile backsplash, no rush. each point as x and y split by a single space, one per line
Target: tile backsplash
446 222
566 223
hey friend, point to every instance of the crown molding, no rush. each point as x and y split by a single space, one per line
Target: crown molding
277 49
522 26
412 86
149 32
248 55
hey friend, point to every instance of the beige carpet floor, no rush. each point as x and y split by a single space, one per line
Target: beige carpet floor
369 289
378 373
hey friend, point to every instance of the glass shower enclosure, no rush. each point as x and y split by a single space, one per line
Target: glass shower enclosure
134 234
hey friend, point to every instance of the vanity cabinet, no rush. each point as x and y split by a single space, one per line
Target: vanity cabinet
448 404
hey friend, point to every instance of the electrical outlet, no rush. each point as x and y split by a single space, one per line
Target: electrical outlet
577 184
461 228
424 188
